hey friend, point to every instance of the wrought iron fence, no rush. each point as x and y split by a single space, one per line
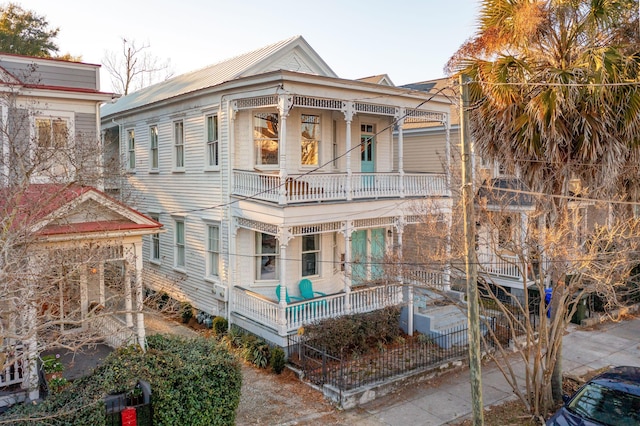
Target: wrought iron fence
416 354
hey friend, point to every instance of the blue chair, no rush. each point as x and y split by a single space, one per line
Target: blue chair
306 289
289 299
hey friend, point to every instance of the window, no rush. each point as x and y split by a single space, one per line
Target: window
310 254
310 130
131 149
267 251
265 136
52 133
153 146
178 141
180 244
154 253
334 151
505 231
213 250
212 141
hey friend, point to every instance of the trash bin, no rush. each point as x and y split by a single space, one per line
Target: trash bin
548 292
581 311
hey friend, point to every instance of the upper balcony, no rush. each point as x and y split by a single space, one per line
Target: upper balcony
311 188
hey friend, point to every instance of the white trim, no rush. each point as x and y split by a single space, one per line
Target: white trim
174 151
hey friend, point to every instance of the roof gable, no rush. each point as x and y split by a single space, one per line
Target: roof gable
293 54
47 209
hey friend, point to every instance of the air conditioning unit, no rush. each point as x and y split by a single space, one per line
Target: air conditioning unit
220 292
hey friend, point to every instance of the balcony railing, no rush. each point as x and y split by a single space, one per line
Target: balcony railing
507 266
337 186
12 368
267 312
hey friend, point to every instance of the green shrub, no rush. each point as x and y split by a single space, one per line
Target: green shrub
220 326
277 360
355 334
186 311
193 381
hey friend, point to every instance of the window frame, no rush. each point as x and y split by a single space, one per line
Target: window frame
310 141
259 254
154 150
178 146
131 149
258 150
179 245
316 252
52 115
154 242
212 267
212 142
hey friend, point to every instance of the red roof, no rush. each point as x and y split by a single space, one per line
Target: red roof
37 201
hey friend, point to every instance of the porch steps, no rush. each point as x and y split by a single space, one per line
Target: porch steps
9 398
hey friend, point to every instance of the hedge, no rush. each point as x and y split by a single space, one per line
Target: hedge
193 382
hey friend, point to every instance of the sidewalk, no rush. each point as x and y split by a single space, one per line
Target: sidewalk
609 344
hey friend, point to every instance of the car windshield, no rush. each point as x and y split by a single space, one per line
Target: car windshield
607 406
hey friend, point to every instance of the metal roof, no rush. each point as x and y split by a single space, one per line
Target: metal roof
230 69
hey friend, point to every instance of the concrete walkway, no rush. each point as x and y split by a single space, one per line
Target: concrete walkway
449 401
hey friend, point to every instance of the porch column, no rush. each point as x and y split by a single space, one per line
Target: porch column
446 279
29 329
447 151
141 333
349 111
128 303
101 282
348 230
400 121
285 103
284 236
400 230
84 294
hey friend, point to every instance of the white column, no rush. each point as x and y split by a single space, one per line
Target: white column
141 333
84 294
349 112
400 121
284 236
128 302
285 102
348 230
410 306
29 327
101 282
446 279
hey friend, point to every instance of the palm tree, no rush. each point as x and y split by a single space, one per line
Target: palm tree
555 92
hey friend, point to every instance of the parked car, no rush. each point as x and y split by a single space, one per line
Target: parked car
611 398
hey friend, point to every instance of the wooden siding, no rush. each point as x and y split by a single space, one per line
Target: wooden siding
423 153
52 75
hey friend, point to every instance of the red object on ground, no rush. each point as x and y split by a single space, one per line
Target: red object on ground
128 416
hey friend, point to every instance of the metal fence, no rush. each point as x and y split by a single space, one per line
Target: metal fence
132 408
416 354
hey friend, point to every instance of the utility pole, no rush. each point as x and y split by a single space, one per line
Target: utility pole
473 318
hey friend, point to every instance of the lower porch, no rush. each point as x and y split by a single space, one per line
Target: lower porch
275 320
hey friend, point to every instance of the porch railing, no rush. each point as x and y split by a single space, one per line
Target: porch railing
265 311
113 330
424 278
13 366
503 265
337 186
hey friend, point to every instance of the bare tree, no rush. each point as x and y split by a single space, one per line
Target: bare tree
135 67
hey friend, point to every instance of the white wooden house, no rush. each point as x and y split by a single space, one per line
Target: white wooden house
59 236
267 169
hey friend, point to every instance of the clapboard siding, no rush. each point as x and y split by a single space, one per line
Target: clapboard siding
63 75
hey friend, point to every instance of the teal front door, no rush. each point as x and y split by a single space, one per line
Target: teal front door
367 255
378 248
358 257
367 154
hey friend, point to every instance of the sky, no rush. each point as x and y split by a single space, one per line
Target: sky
410 40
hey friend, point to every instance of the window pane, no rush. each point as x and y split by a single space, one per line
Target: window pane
60 133
44 133
265 134
212 140
266 257
154 147
310 129
310 254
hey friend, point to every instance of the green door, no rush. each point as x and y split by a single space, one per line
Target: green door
367 156
358 257
378 248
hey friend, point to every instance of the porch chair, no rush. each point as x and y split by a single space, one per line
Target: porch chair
306 289
289 299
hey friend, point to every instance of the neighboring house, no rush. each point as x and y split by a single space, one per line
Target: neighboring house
268 169
71 265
